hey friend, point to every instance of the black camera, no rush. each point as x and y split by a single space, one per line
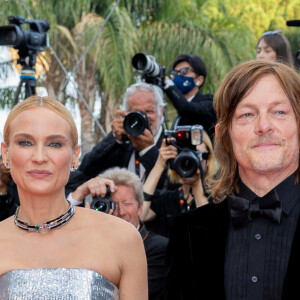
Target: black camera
152 72
188 159
34 39
103 204
136 122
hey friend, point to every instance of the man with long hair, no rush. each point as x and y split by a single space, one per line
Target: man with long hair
246 244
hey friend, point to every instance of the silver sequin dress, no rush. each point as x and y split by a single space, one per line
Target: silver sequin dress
56 284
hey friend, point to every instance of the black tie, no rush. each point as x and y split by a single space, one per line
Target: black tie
241 210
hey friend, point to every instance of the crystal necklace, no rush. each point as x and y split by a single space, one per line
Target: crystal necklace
61 220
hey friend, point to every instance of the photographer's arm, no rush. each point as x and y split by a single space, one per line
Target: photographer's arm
95 186
193 110
150 185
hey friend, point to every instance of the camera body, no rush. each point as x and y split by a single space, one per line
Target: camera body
136 122
103 204
33 40
152 72
188 159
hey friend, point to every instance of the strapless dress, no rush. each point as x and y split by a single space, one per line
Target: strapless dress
56 284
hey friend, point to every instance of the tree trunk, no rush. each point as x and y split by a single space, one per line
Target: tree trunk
55 80
87 85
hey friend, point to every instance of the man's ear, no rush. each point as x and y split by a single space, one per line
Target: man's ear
162 111
199 80
140 210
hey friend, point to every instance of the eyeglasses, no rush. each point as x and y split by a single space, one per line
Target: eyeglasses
271 32
182 72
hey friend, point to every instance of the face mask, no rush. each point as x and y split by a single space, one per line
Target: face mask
184 83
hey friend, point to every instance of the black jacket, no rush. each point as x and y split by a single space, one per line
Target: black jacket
109 153
196 256
155 248
198 111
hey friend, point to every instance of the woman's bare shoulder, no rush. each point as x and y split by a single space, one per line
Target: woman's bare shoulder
105 223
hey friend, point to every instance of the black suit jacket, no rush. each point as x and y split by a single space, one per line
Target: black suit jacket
199 111
109 153
196 256
155 248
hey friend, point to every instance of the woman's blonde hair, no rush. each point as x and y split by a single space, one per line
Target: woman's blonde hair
47 102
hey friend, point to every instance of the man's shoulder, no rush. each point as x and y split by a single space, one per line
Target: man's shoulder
155 244
203 97
152 239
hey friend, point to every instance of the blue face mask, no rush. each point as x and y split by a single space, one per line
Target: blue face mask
184 83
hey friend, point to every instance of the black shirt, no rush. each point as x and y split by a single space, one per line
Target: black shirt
257 254
167 205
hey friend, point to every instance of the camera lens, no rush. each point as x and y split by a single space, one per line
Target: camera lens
146 64
103 204
186 164
135 123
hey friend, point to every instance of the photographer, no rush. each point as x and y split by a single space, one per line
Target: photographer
137 153
188 75
7 206
162 208
126 197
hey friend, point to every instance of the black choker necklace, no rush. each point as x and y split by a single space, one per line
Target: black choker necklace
63 219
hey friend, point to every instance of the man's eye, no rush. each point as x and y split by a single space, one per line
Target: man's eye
246 115
25 143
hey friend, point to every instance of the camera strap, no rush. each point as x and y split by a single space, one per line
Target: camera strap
137 163
184 205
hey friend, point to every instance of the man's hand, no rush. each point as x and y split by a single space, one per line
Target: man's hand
117 125
142 141
95 186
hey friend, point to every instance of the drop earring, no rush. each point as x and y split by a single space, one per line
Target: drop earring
7 166
73 169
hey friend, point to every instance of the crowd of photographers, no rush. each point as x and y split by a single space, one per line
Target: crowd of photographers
170 165
158 172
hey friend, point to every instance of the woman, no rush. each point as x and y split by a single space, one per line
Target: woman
274 46
162 208
80 253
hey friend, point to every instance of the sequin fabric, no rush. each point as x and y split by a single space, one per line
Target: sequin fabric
56 284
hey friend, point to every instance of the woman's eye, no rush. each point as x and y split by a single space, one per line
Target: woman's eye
25 143
55 144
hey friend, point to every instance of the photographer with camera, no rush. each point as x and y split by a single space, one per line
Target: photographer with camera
188 76
190 173
7 208
119 192
135 149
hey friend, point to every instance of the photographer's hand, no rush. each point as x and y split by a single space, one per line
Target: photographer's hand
195 183
117 125
95 186
142 141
